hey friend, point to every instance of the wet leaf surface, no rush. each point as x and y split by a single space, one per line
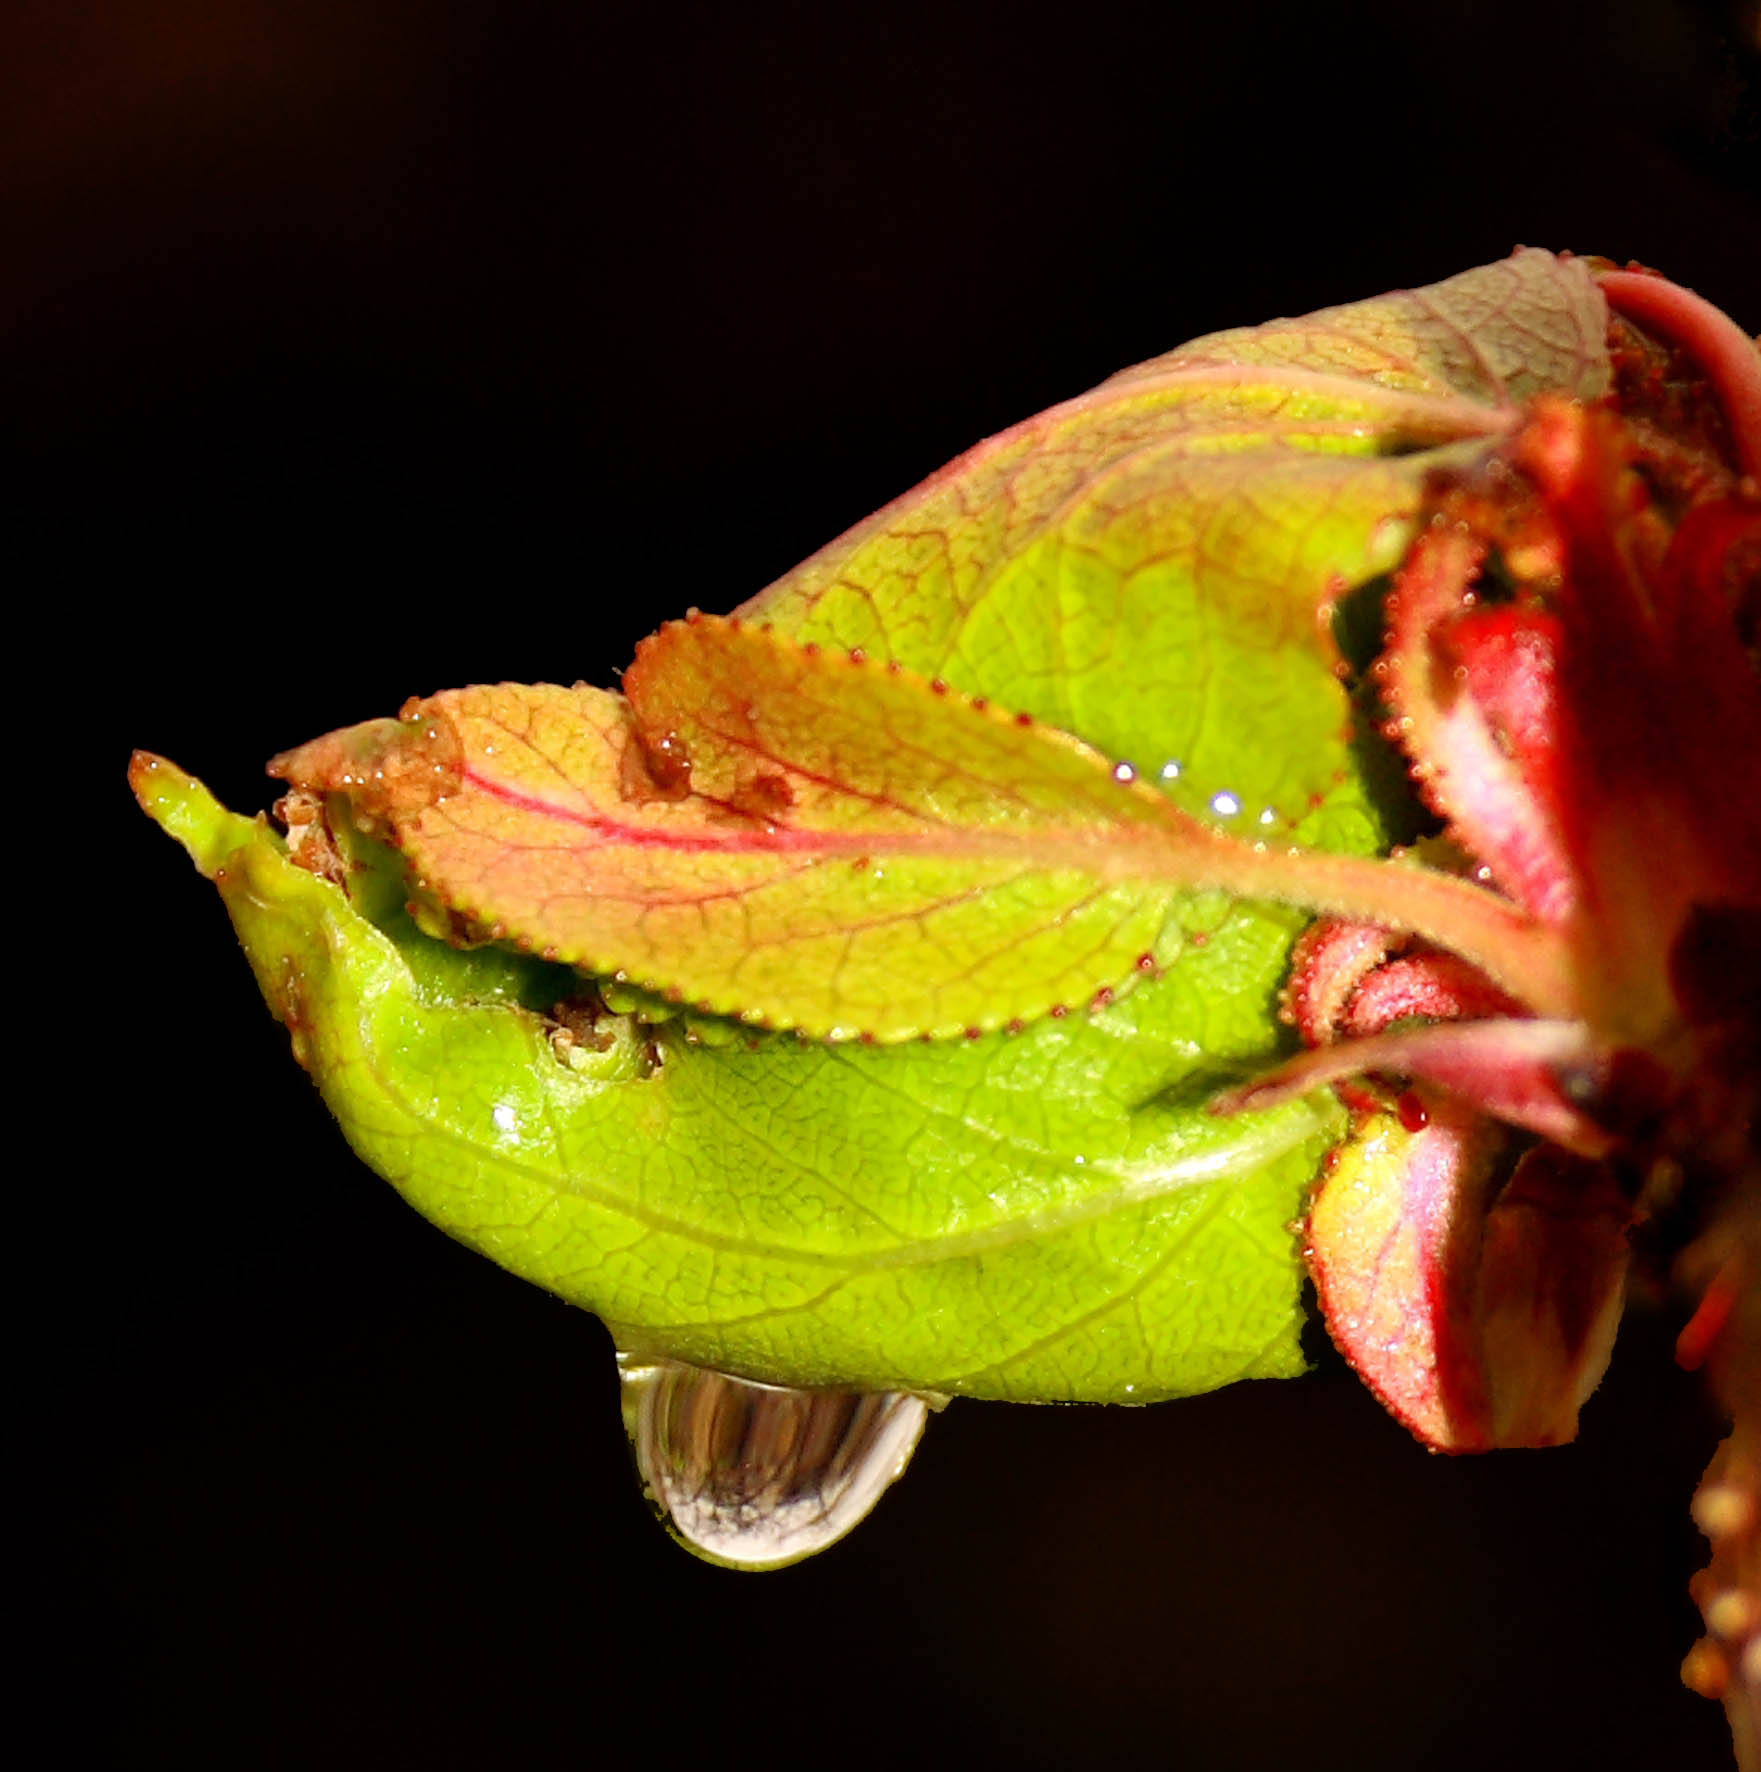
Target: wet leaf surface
1042 1213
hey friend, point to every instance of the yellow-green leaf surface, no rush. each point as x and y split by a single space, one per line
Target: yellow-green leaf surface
1049 1213
1048 1216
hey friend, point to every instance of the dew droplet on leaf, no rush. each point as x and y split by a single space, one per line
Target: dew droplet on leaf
756 1476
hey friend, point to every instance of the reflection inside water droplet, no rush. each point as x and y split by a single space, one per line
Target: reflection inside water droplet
1170 771
1225 804
759 1475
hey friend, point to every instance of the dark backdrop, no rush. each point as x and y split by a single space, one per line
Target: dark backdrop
359 350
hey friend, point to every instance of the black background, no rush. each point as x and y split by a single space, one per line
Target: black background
360 350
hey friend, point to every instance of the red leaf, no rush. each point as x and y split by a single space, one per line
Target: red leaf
1480 1310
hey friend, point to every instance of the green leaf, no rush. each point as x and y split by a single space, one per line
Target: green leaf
1049 1214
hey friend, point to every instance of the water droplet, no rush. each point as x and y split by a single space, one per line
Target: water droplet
1268 816
1733 1614
1170 771
1124 772
1225 804
755 1476
1722 1510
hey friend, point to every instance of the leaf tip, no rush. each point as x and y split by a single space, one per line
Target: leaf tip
147 778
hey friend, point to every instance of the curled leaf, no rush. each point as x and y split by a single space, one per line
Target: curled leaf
1479 1304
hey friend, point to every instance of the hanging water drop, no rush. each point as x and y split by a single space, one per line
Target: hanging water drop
755 1476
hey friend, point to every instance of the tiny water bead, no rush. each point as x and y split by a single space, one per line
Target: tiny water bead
1124 773
1170 771
1225 804
757 1476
